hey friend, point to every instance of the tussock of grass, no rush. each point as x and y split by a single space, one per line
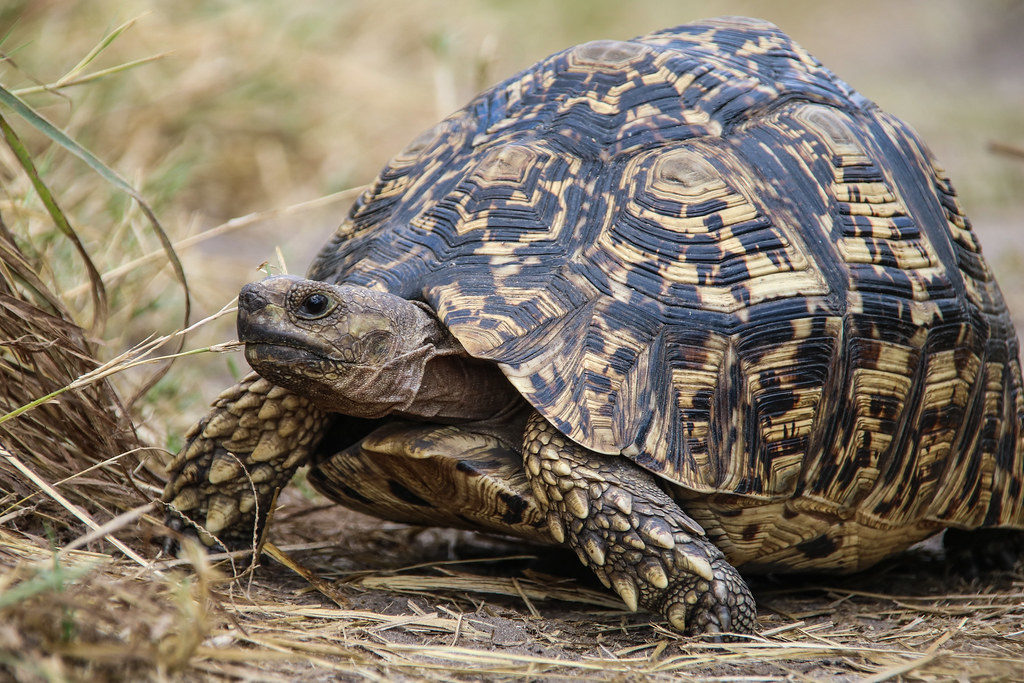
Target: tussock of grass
72 440
327 94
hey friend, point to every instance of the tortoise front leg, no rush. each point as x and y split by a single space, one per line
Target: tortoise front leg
221 484
633 536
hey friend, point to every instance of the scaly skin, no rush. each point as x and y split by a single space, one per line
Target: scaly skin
633 536
304 334
251 442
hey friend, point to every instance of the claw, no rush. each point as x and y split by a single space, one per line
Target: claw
626 589
654 573
697 565
595 549
677 616
1003 558
170 544
713 634
223 511
555 527
724 618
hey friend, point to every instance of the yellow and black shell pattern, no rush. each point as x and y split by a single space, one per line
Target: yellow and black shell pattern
702 250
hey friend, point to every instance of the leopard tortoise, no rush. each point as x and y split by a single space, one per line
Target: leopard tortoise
684 303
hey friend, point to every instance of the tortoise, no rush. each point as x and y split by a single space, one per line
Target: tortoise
685 303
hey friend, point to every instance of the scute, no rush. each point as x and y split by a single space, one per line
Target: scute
683 171
702 250
610 54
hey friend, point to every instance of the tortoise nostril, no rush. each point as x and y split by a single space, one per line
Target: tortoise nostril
250 299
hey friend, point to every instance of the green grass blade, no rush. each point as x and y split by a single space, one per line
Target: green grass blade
87 78
26 112
99 294
97 50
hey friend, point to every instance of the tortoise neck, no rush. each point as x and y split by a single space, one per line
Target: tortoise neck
459 388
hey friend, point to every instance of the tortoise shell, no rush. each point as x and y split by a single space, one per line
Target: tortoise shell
702 250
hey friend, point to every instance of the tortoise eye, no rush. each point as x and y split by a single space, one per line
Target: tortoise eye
315 306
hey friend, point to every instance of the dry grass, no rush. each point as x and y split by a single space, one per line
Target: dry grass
270 105
63 440
478 615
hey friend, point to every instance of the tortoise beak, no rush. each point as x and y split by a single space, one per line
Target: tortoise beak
251 299
263 317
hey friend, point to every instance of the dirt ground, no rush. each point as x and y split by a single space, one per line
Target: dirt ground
509 609
359 599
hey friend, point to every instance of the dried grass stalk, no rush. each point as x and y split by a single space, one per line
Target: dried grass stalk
81 441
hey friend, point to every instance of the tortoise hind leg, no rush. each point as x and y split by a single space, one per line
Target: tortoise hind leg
975 552
434 475
633 536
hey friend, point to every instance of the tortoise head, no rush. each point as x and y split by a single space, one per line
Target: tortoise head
349 349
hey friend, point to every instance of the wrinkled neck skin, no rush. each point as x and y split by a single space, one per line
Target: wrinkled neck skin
370 355
426 383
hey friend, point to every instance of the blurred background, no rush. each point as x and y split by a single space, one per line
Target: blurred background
258 105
